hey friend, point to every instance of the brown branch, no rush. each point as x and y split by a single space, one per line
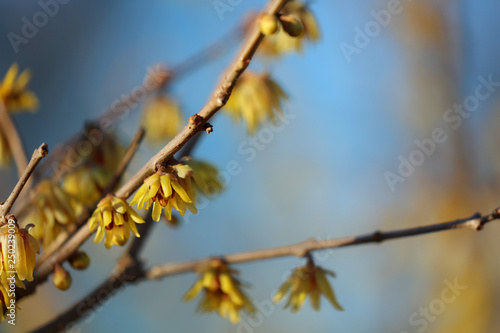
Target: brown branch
218 100
85 214
38 154
128 270
13 138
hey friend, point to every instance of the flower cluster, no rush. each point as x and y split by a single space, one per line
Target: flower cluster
14 92
297 24
255 98
52 211
173 187
161 118
307 280
221 291
114 220
86 184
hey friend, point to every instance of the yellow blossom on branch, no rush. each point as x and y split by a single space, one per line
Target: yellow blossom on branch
308 280
17 241
14 91
51 212
255 99
162 119
173 187
221 291
86 184
114 220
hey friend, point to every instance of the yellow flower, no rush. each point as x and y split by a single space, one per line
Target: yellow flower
162 119
14 92
86 184
255 98
5 155
52 211
221 291
307 280
114 219
205 176
282 42
24 247
5 295
170 187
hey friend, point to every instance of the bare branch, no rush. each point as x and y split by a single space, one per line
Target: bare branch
38 154
475 222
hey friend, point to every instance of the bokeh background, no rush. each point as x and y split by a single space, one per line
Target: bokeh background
322 176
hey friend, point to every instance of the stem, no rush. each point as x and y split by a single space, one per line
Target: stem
38 154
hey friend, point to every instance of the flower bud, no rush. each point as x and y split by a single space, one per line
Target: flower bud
268 24
292 26
61 278
79 260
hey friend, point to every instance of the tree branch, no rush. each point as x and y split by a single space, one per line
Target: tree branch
38 154
197 121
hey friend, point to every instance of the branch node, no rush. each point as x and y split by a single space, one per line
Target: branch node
378 237
195 119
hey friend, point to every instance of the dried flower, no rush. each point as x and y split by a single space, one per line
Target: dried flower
114 219
162 119
292 36
51 212
14 92
255 98
17 241
221 291
86 184
307 280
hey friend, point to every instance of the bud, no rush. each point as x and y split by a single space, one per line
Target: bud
79 260
61 278
268 24
292 26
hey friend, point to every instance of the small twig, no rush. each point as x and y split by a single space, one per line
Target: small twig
38 154
13 139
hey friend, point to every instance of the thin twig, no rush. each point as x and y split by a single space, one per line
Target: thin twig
218 100
135 273
13 138
475 222
38 154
